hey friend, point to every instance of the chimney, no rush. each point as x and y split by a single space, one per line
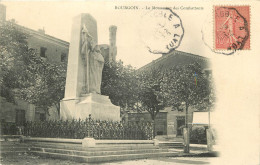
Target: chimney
112 35
42 31
2 13
112 43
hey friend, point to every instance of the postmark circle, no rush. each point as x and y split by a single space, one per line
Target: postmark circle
161 31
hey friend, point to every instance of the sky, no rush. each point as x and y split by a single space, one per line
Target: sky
57 17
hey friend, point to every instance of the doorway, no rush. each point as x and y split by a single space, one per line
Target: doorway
20 117
180 125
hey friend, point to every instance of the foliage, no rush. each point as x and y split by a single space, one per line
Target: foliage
198 135
13 50
79 129
148 92
26 75
119 82
49 86
209 101
186 85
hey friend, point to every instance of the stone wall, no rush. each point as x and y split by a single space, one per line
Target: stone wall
8 110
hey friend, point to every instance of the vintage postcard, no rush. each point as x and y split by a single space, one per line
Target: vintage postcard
147 82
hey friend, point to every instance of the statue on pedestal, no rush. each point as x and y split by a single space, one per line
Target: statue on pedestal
83 82
93 63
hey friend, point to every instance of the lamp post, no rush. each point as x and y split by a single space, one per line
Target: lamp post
186 132
208 131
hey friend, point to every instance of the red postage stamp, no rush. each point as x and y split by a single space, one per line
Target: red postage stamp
232 27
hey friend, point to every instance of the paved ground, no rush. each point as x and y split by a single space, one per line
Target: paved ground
23 159
168 161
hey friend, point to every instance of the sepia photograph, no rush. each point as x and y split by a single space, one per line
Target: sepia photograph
129 82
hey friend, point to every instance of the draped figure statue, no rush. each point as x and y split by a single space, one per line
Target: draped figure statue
95 72
93 63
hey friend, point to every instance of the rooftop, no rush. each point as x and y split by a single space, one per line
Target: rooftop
177 58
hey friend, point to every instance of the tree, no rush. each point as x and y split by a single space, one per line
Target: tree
26 75
13 51
185 85
149 93
119 82
48 88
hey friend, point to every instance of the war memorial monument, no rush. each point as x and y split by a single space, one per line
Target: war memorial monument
84 73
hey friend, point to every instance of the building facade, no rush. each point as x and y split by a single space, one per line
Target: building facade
48 48
171 121
160 120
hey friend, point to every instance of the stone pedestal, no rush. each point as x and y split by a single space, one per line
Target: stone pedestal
88 142
99 106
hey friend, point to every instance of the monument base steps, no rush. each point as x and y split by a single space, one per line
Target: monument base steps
78 147
171 144
12 148
104 158
99 153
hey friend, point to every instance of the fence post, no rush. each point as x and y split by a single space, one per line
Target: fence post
89 118
186 136
209 139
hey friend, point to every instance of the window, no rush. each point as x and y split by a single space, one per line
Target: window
42 117
63 57
207 73
159 133
43 52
